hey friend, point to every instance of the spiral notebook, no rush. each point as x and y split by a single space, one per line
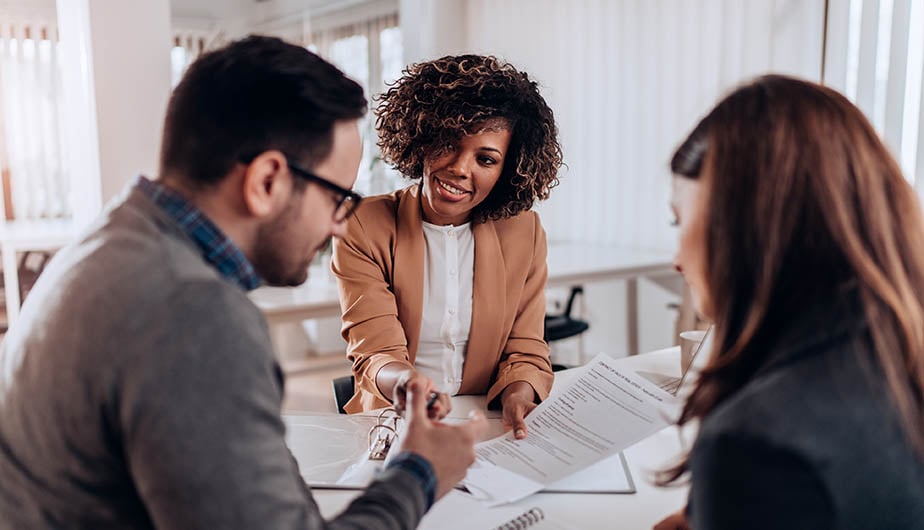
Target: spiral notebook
532 518
460 511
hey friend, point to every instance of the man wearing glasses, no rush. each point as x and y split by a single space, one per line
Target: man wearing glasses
139 388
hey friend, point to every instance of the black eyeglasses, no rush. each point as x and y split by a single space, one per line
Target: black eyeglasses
346 201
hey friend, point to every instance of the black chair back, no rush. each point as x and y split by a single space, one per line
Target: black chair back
343 391
563 325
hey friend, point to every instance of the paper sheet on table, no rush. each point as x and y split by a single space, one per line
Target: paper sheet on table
604 410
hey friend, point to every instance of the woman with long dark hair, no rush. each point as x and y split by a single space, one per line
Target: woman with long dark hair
802 241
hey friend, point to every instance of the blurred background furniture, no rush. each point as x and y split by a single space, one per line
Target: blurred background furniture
343 391
573 264
564 326
569 264
687 316
37 240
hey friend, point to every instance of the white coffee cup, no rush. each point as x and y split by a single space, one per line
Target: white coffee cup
689 342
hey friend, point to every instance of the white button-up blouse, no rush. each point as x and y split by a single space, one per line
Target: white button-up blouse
449 271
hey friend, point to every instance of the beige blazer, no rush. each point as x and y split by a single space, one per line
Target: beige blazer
379 265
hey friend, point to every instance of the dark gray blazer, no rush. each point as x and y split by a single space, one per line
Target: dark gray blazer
139 389
812 441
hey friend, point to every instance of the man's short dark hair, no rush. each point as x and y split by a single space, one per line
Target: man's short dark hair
254 95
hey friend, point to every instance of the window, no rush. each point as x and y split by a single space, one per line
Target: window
188 45
364 42
370 52
35 184
874 54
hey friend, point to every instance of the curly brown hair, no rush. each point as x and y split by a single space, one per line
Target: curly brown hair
435 103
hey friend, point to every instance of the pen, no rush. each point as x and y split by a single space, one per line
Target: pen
432 400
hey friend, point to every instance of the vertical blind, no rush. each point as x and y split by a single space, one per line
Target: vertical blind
627 80
874 54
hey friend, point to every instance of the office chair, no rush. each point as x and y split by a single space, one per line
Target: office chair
563 325
343 391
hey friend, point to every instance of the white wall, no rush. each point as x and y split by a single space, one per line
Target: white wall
627 80
432 29
131 65
41 9
119 75
217 22
80 147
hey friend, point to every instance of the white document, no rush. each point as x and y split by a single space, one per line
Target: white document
601 412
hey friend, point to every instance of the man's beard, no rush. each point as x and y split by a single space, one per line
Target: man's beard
274 257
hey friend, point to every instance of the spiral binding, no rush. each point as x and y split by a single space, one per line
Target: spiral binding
529 518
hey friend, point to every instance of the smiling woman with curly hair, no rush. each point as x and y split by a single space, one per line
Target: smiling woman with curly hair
446 277
438 103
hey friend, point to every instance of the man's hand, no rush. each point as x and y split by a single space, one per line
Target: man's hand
440 407
517 400
450 449
674 521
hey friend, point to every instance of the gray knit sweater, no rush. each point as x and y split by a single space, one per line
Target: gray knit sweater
139 389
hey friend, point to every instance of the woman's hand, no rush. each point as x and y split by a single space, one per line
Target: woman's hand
441 405
674 521
517 400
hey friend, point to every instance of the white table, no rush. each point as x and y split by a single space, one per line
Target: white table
20 236
569 264
313 299
640 510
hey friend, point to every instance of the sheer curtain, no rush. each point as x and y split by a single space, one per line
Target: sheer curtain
188 45
369 51
31 107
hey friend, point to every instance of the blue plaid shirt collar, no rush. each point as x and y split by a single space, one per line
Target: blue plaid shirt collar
216 248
